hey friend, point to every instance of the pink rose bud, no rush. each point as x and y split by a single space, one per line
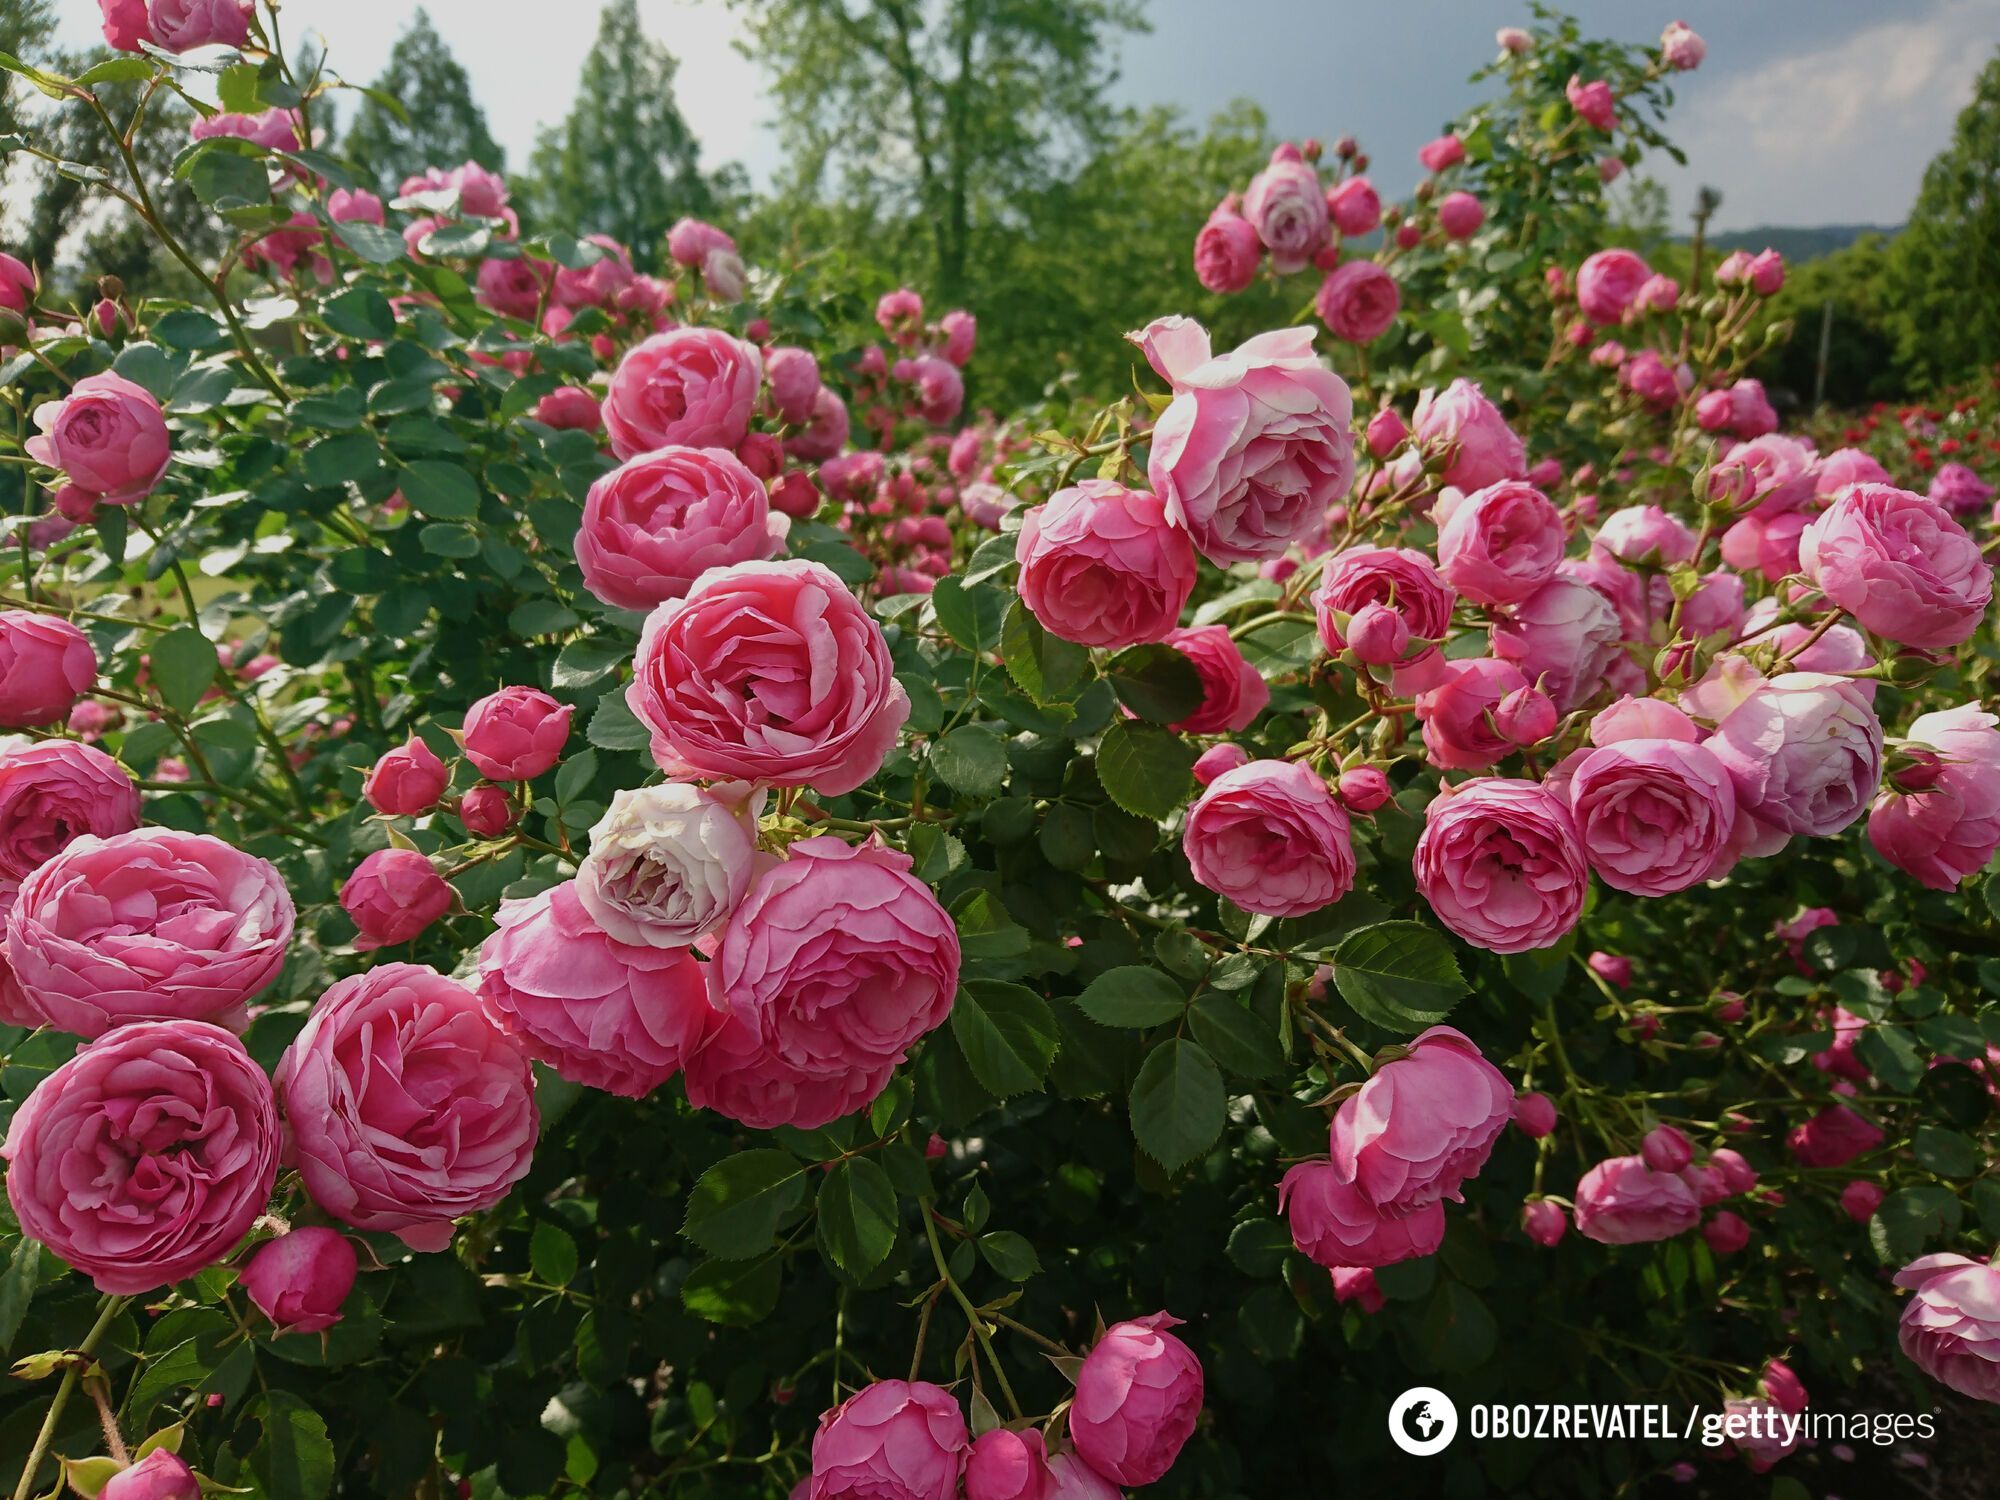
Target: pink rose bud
77 505
1217 759
935 1148
300 1279
570 407
407 780
1446 151
393 895
1386 432
1860 1198
1546 474
160 1475
1408 235
486 811
1377 635
1731 1009
1544 1222
1622 1201
1615 969
1356 1284
1362 789
516 734
1737 1173
891 1439
46 664
1726 1233
795 495
1527 716
1138 1397
1782 1384
1767 273
108 316
1534 1115
1460 215
1007 1465
1666 1149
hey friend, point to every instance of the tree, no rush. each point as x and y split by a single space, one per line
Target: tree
26 27
1944 270
940 115
442 124
625 162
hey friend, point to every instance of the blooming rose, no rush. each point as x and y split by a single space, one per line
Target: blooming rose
1499 544
54 791
1101 566
610 1015
45 664
901 315
1645 534
147 1156
18 284
1138 1396
1006 1465
826 433
406 780
689 386
1833 1138
1461 732
1681 46
1622 1201
1354 206
1593 101
148 925
1358 301
569 408
1226 251
1501 864
1076 1480
1287 207
1655 816
1804 751
1653 380
1951 1325
1900 565
514 287
1270 837
515 734
940 389
739 1077
355 206
1475 441
1333 1222
660 520
1420 1127
1460 215
1940 834
691 241
598 284
183 25
768 672
668 863
1232 691
1958 489
961 334
1255 445
1397 578
407 1107
107 435
795 383
393 895
893 1440
299 1279
1446 151
1564 636
1607 284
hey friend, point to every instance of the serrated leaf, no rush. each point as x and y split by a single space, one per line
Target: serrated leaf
1400 976
972 759
1155 682
1236 1036
1132 995
971 614
440 490
1007 1034
734 1293
182 664
552 1254
1009 1254
857 1216
1177 1103
1144 769
1044 666
615 727
736 1206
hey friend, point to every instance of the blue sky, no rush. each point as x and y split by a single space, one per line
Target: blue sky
1806 112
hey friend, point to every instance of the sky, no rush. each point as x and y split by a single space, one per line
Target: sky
1806 111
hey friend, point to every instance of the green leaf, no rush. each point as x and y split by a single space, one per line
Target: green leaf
1156 682
1177 1103
1044 666
225 179
442 539
360 312
1240 1039
552 1254
973 615
1145 770
541 617
1007 1033
1458 1330
1132 995
585 661
444 491
973 759
17 1289
1282 646
373 243
1945 1152
737 1204
1009 1254
857 1216
1400 976
295 1457
334 461
182 664
985 928
615 727
1258 1247
735 1294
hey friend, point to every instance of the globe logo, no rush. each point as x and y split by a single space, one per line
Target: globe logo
1423 1421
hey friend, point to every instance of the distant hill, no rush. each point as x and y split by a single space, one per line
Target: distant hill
1796 243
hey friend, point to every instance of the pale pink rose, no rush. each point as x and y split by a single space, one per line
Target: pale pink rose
1333 1222
299 1279
482 193
354 206
668 863
183 25
1270 837
1514 40
603 1013
1622 1201
1833 1138
690 241
695 387
52 793
1646 534
107 435
1900 565
1681 46
1738 1176
1003 1464
1354 206
1446 151
1232 691
1255 445
1594 102
153 924
1460 733
1138 1397
1804 751
1564 637
515 734
1101 566
147 1156
1400 579
1655 816
1642 719
1950 1327
1842 649
853 477
660 520
1845 466
1658 294
407 780
1287 207
1460 215
1608 283
1470 436
1766 543
1422 1126
961 335
1358 301
407 1107
1227 251
1502 865
393 895
893 1440
724 276
1948 830
1775 471
275 129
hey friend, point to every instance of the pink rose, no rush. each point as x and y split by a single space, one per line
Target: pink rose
1076 1480
1646 534
1358 301
160 1475
407 780
393 895
893 1440
1767 273
1356 1284
1227 251
514 287
1774 471
768 672
1959 490
598 284
1900 565
45 665
1401 579
148 925
660 520
147 1156
1655 816
1860 1198
486 811
1101 566
17 284
1270 837
1287 206
1658 294
299 1279
1255 445
1137 1399
1422 1126
1655 382
606 1014
1534 1115
940 390
1940 834
961 335
1232 691
1681 47
1354 206
795 383
107 435
1334 1224
1950 1327
1608 283
515 734
53 792
1446 151
1622 1201
355 206
694 387
125 24
1833 1138
1460 731
1544 1222
1804 751
274 129
1469 434
1501 864
901 316
183 25
740 1078
691 241
570 408
1845 466
1594 102
1564 636
1216 760
407 1107
1460 215
1386 432
1006 1465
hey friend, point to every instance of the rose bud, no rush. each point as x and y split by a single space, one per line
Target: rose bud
77 504
1666 1149
1534 1115
407 780
1386 432
1007 1465
1138 1397
1217 759
160 1475
1362 789
569 407
1544 1222
1859 1200
486 811
516 734
1737 1173
393 895
1527 716
300 1279
1613 968
795 495
46 664
1726 1233
1731 1009
1377 635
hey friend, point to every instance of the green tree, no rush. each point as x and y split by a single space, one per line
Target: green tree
625 162
440 124
26 28
1861 362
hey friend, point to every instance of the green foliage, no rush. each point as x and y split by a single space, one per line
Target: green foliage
419 113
